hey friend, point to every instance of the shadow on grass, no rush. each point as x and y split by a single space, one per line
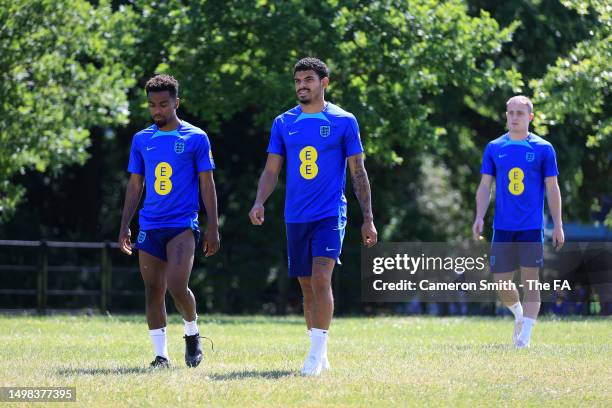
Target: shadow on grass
104 371
258 320
217 319
481 347
240 375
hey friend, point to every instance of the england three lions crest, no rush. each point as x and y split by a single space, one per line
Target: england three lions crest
179 147
324 131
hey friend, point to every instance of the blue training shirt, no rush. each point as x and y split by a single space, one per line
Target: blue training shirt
170 162
315 146
519 168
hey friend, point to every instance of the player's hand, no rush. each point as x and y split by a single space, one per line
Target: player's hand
477 229
212 241
124 241
558 238
257 214
369 235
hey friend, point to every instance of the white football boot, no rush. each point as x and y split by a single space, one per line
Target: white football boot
312 366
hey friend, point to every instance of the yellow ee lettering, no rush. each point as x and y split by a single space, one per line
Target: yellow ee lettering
308 157
516 176
163 172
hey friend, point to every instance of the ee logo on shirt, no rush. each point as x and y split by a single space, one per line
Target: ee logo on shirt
516 176
308 157
163 172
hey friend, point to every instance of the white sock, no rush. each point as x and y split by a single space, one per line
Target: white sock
517 311
318 342
191 328
525 335
309 331
158 337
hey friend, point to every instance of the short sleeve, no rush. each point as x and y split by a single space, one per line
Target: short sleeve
203 154
276 145
549 164
352 140
136 163
488 165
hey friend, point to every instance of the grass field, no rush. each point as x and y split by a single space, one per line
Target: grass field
381 361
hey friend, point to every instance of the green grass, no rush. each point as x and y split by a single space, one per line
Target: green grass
376 362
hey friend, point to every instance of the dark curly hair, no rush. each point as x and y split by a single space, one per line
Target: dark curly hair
162 82
312 64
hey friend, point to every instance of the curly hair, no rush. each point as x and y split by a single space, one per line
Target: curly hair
312 64
162 82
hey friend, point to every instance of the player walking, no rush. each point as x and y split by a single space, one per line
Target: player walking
524 166
316 138
172 158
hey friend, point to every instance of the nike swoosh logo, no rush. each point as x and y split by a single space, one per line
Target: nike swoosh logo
292 133
150 148
502 155
330 249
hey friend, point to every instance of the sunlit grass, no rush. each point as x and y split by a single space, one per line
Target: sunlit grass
379 361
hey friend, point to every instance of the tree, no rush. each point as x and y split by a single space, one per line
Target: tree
426 79
574 102
61 75
395 64
562 50
398 66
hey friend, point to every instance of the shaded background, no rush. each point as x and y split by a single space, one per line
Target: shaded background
427 80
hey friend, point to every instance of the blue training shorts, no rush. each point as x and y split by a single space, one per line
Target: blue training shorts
154 241
306 240
513 249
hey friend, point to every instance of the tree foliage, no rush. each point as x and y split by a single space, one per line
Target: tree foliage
400 67
574 100
426 79
562 49
389 61
61 76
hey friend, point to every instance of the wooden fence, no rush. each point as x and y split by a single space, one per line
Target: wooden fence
42 269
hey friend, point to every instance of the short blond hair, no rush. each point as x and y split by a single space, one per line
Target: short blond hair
522 99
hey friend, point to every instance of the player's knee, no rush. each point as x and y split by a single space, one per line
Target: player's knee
532 296
503 281
306 286
177 288
321 284
502 294
154 291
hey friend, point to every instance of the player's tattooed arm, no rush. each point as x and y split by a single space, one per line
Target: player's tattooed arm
132 199
361 187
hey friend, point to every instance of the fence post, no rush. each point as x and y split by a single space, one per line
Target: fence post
105 277
43 278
